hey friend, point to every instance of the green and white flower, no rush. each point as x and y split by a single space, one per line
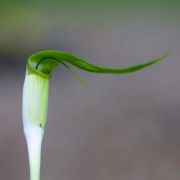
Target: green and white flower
35 94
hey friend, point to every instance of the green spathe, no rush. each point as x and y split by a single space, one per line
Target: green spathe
39 68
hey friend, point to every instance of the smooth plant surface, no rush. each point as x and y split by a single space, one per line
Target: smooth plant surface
35 94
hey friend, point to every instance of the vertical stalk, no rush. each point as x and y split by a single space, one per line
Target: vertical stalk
34 136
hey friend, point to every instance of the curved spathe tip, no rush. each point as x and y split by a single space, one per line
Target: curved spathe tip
44 62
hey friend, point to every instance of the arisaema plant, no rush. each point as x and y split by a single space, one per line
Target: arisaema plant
35 94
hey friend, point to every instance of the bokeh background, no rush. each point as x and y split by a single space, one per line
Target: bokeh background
118 126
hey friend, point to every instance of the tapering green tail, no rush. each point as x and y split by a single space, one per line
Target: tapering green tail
45 61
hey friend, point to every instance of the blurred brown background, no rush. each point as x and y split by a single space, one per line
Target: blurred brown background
124 127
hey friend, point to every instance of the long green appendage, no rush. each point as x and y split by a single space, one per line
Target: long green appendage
46 61
35 94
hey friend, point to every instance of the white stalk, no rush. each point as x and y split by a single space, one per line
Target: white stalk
35 103
34 138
